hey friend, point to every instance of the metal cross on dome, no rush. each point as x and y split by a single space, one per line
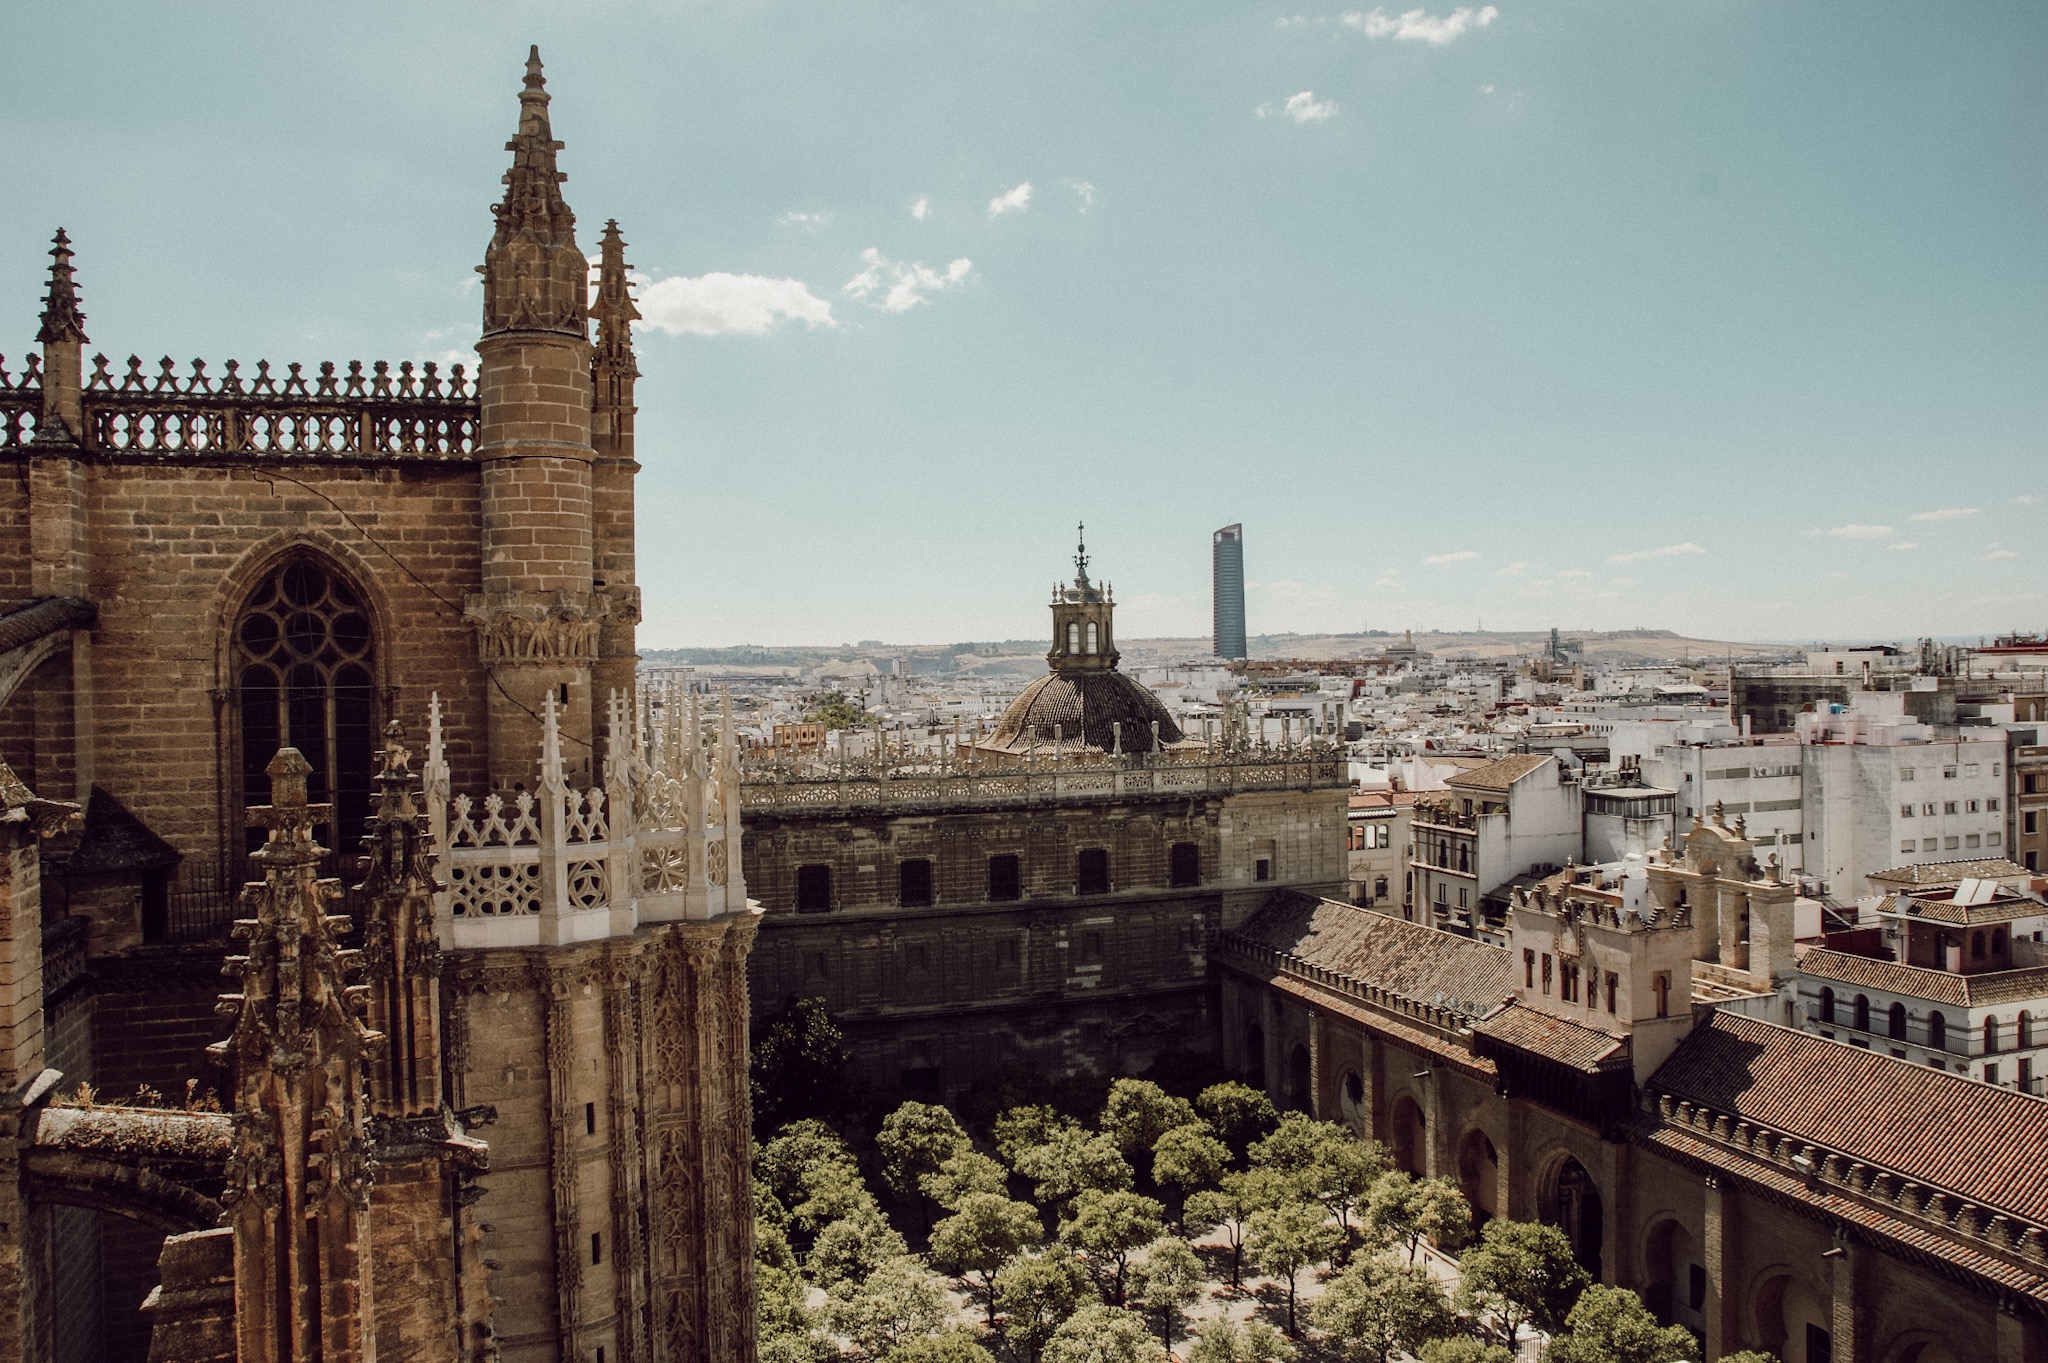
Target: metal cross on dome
1081 550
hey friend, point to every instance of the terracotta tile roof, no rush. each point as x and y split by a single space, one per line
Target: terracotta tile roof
1389 1026
2006 909
1691 1148
1949 872
1501 774
1553 1038
1972 1139
1419 963
1919 982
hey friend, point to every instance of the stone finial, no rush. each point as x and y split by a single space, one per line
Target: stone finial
535 276
62 321
614 308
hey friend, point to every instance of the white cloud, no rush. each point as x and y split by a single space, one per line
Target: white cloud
1389 580
807 220
1084 190
1291 21
2026 499
1016 201
1515 569
1947 513
1902 545
1856 532
1419 26
919 209
1456 556
1668 551
1302 108
1574 572
1993 553
721 304
902 284
1306 108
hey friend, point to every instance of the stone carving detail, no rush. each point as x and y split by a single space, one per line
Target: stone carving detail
714 863
494 891
587 885
664 869
557 628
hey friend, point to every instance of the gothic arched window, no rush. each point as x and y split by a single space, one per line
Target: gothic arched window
1091 636
304 670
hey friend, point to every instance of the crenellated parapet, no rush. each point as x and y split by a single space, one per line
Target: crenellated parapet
342 412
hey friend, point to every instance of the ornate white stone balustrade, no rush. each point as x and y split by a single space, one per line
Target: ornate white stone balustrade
658 842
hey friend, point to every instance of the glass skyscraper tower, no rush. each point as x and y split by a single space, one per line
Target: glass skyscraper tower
1227 553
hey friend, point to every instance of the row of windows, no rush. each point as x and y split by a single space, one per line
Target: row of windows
1366 836
1005 883
1568 976
1937 1024
1951 842
1949 772
1949 807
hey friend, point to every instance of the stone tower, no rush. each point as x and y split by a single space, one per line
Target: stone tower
537 617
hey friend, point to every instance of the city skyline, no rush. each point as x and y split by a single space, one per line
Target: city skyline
1722 320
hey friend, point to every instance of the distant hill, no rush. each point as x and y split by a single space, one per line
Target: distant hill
1010 656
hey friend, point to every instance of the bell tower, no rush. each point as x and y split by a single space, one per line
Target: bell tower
537 617
1082 639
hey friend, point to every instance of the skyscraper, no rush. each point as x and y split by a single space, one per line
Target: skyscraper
1227 552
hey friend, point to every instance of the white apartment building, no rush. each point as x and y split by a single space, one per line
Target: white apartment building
1882 789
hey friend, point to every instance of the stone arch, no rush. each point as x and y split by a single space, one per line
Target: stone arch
264 557
1351 1104
1674 1278
1919 1346
1569 1198
71 1178
1300 1077
1785 1313
1410 1130
1479 1175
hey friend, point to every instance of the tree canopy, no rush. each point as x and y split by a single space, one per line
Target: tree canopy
1520 1273
1374 1310
1611 1325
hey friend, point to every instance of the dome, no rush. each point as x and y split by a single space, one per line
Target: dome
1085 705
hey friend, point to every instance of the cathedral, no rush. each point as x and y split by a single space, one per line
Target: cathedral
320 680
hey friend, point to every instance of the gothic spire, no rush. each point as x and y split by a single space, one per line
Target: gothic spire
535 277
62 321
614 308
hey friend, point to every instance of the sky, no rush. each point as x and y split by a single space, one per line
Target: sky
1723 317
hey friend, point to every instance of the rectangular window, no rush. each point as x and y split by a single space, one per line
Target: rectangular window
1930 844
1905 811
1906 846
1528 968
1950 842
1991 805
1546 972
1991 839
1948 773
1970 769
1262 869
1905 773
1991 1073
2030 822
1928 809
1004 882
590 1119
914 883
1464 893
1970 806
596 1249
1184 865
2024 1081
1613 989
1006 952
1091 871
813 888
1948 806
1970 840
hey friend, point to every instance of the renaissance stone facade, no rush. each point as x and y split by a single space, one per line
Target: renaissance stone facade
1044 896
201 567
1620 1070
